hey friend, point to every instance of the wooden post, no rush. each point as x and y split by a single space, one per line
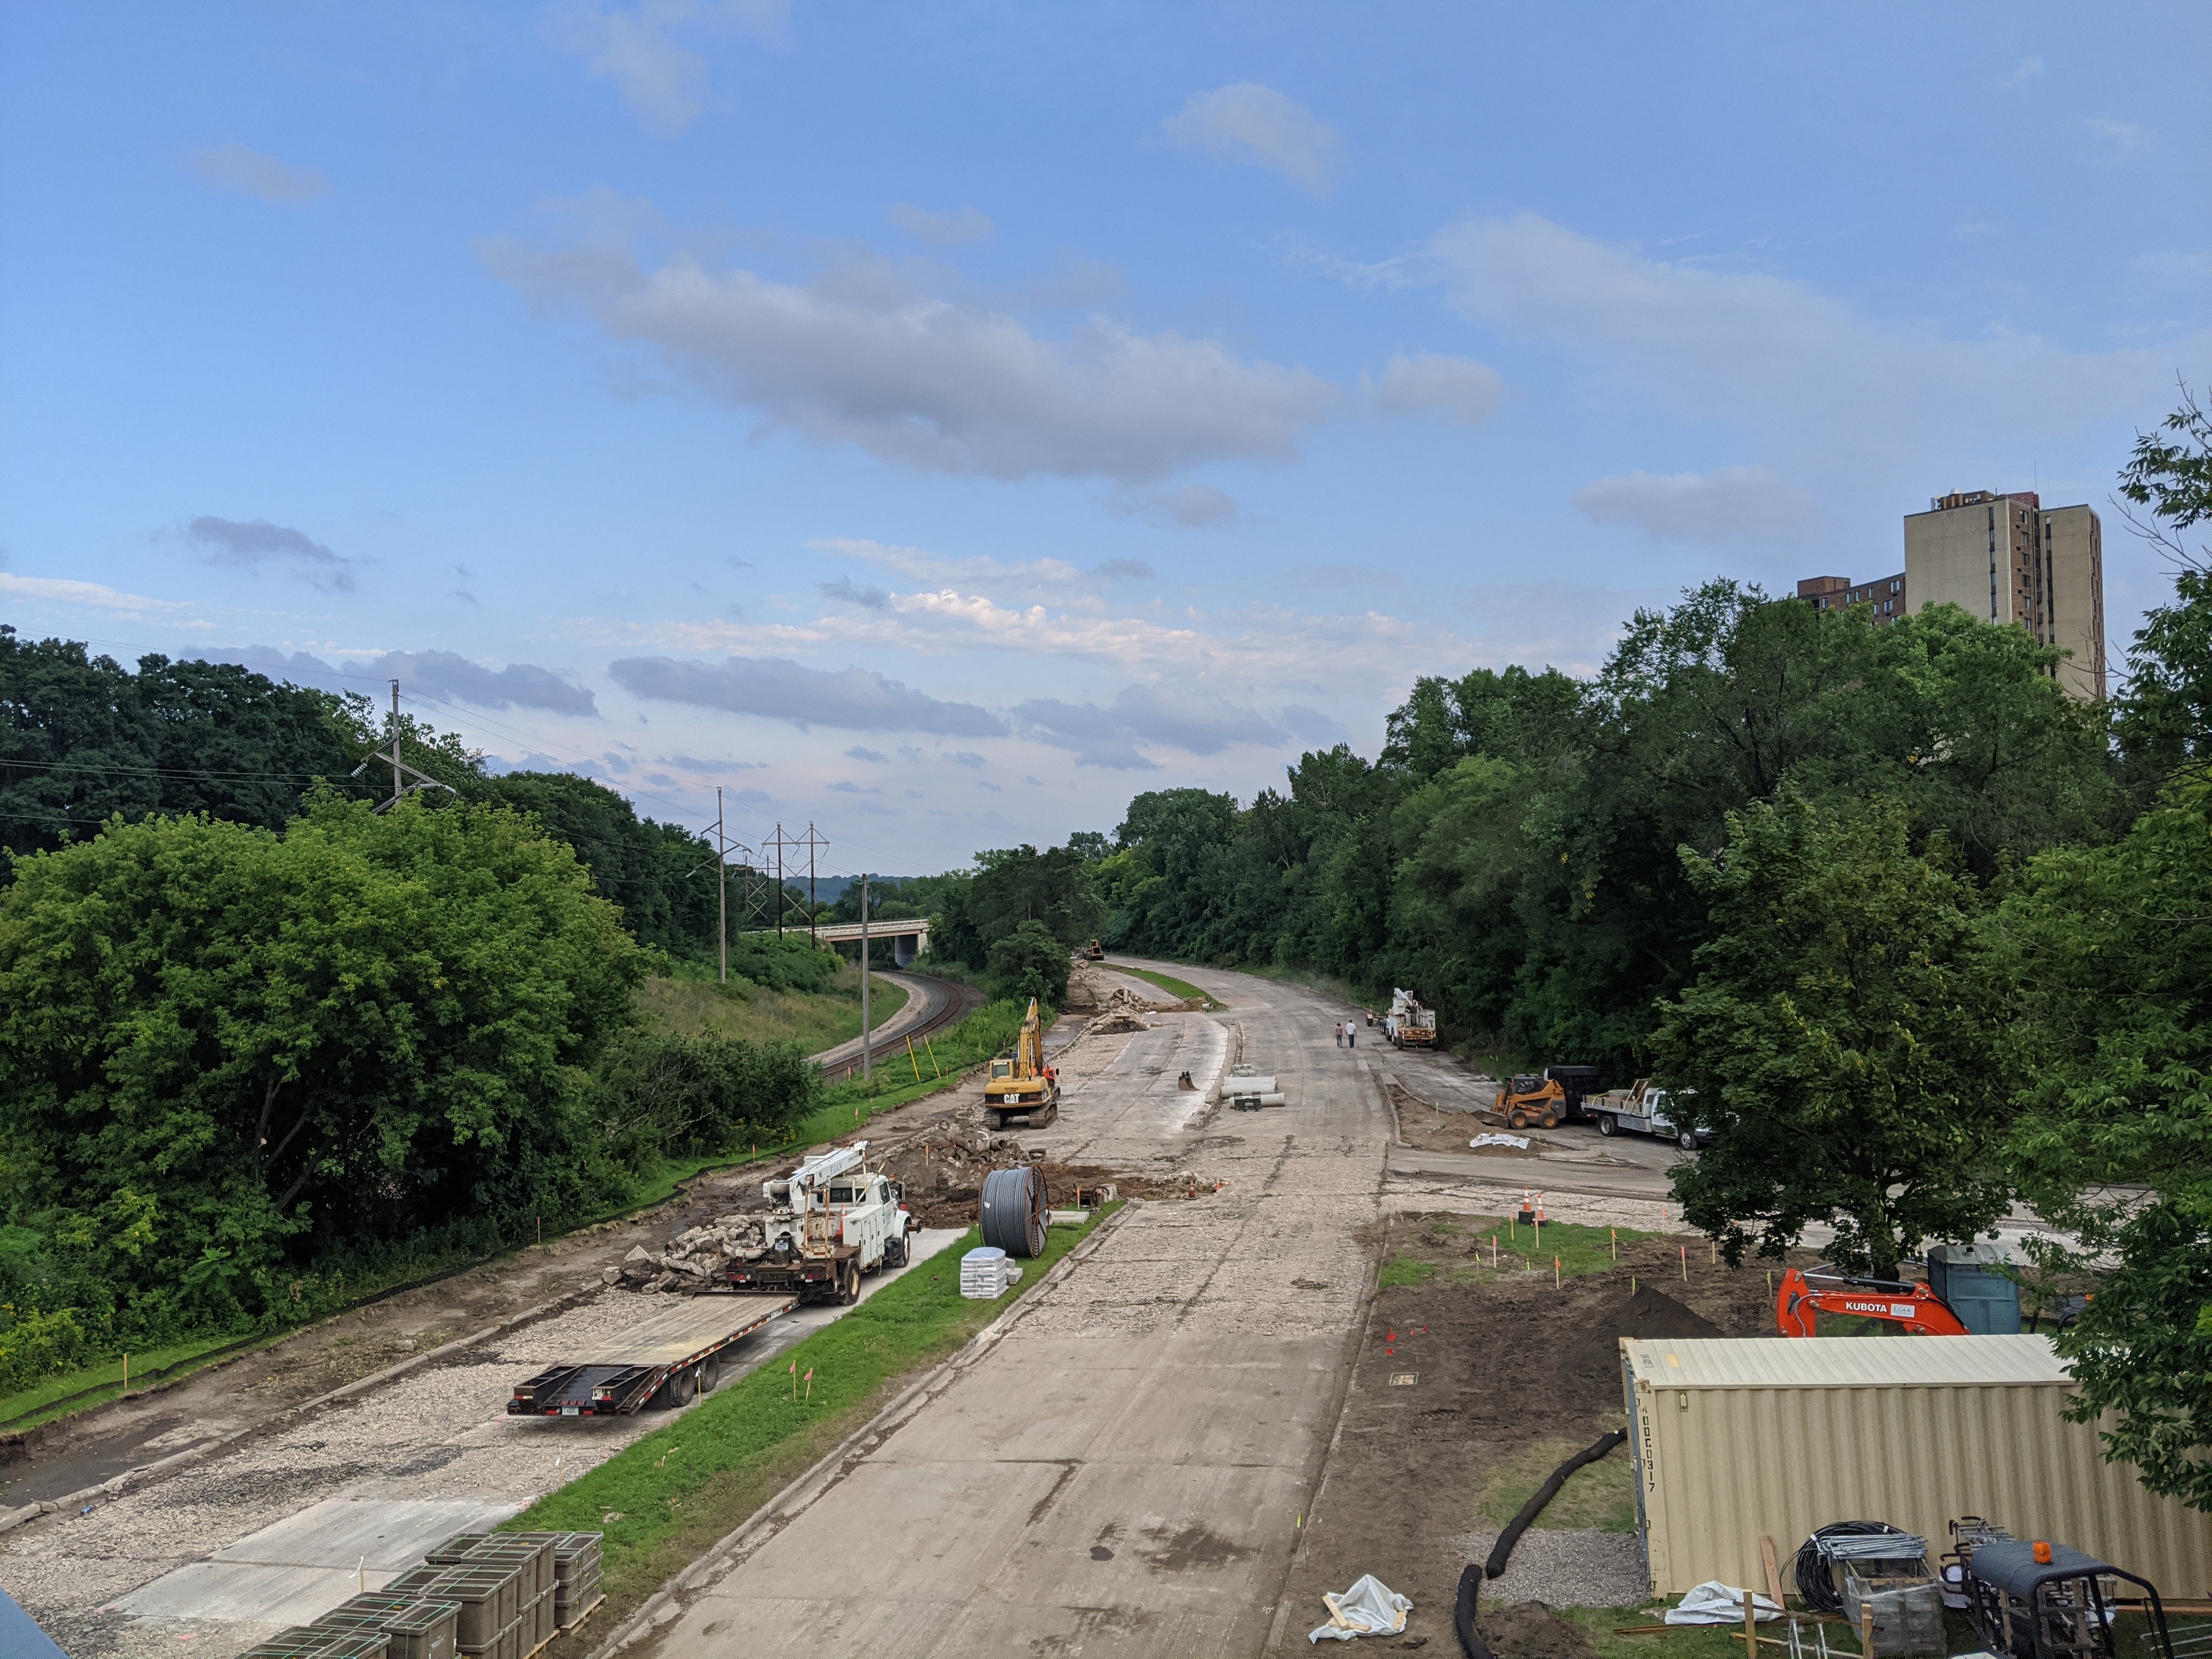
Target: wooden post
1750 1623
1767 1559
126 1373
1866 1629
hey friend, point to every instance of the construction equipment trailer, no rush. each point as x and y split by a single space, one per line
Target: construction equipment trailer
1021 1085
668 1359
832 1220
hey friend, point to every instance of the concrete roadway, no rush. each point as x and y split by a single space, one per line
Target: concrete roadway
1123 1470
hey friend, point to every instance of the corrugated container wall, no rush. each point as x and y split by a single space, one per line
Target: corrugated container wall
1736 1437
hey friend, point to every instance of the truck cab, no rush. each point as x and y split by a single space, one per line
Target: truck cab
830 1221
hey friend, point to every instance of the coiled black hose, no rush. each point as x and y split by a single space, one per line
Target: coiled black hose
1503 1550
1470 1586
1815 1583
1470 1579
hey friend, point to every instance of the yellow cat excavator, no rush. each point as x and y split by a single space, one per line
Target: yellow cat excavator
1021 1085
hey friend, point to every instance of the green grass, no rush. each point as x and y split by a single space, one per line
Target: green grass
664 1500
1403 1269
1169 983
1600 1495
1580 1251
692 1006
55 1396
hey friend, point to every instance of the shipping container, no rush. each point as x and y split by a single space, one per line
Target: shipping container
1733 1438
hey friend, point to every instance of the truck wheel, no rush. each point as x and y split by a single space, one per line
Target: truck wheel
678 1389
710 1377
1687 1141
894 1253
852 1291
1607 1124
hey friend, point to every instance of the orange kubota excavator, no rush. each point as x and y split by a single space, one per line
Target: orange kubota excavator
1915 1307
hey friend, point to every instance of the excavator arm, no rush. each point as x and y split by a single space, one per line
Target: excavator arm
1802 1297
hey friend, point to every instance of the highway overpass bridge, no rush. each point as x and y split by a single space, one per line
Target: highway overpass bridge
906 938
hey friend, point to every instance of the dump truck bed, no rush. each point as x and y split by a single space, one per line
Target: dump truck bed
618 1377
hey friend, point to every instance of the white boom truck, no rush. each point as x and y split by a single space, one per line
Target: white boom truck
1408 1024
1641 1110
832 1220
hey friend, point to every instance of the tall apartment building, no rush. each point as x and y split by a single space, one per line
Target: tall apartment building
2005 559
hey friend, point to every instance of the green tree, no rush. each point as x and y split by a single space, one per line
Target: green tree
1839 1040
82 738
2107 952
1029 962
223 1049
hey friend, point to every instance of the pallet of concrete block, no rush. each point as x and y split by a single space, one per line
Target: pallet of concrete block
986 1273
576 1576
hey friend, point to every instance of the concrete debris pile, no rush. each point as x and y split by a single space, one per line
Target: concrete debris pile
1124 1011
694 1259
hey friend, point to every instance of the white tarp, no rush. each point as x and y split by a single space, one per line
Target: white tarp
1521 1141
1715 1603
1370 1607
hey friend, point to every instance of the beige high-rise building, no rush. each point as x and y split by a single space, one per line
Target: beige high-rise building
2002 558
2009 559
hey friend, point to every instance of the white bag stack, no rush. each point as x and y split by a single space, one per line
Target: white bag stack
986 1273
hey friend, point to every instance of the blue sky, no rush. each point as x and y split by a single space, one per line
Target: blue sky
940 423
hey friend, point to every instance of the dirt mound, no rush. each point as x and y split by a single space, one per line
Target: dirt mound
1530 1630
1647 1314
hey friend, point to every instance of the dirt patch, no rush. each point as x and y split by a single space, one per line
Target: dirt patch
1530 1630
1463 1385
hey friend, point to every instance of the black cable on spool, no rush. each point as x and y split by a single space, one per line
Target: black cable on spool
1014 1210
1503 1550
1814 1582
1470 1586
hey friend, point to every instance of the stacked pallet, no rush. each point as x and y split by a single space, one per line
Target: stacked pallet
491 1595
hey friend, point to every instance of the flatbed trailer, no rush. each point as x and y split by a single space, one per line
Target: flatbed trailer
672 1355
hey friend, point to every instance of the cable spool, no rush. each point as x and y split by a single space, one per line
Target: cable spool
1816 1580
1014 1210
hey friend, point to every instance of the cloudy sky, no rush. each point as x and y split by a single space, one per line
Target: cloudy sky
939 422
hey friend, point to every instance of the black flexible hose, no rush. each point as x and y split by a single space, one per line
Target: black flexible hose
1815 1583
1503 1550
1470 1585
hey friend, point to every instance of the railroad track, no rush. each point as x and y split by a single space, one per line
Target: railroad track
955 1001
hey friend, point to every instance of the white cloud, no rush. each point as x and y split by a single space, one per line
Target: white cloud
1029 576
874 757
861 358
1187 505
1428 384
946 229
255 541
851 699
664 83
517 685
1198 722
98 595
234 166
2122 135
1261 127
1829 387
1730 504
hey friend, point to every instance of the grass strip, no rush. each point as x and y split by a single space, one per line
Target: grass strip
665 1499
95 1385
1170 984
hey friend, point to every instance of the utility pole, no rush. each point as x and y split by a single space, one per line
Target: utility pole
400 770
721 889
866 1070
779 881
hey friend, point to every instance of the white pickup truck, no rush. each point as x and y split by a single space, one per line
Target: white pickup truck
1642 1110
833 1220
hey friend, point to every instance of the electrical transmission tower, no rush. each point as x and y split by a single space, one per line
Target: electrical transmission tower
813 844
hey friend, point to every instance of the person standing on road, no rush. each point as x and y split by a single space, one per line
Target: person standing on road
1338 1029
1350 1034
